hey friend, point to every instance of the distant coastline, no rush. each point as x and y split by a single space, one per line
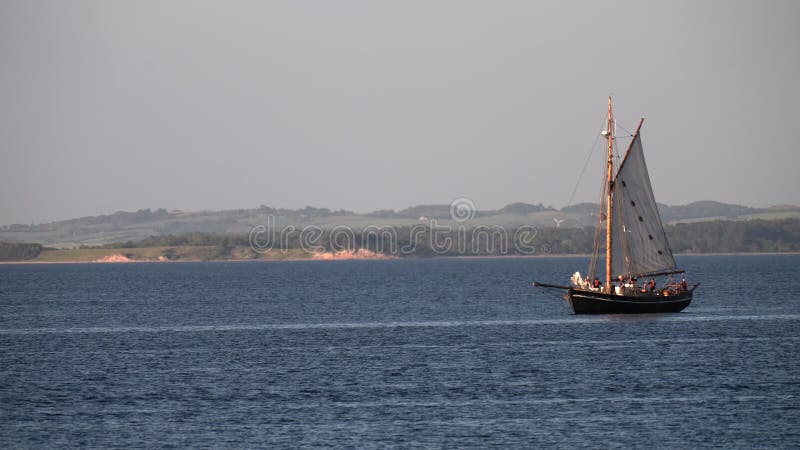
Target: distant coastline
312 257
423 240
135 226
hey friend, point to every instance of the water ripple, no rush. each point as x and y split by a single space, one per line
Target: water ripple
379 325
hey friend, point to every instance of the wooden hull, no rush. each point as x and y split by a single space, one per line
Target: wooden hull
589 302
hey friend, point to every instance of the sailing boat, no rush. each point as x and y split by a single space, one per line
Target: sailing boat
636 246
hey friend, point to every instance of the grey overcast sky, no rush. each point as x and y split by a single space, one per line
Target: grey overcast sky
120 105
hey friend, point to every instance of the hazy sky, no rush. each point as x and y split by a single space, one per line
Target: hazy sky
362 105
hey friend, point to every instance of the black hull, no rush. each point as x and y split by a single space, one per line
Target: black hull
589 302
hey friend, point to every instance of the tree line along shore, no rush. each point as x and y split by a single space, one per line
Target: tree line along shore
751 236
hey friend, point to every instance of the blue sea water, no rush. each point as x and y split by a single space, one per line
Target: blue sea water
405 353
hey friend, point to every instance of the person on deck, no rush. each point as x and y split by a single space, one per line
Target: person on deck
652 285
683 285
597 284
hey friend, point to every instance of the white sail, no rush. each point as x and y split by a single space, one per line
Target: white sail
639 244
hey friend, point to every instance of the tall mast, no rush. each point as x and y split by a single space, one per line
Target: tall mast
610 179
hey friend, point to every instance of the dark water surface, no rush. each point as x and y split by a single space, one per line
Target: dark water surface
411 353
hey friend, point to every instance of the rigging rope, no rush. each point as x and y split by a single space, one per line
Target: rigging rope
585 165
625 130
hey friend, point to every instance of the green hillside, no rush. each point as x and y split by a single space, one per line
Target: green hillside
135 226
